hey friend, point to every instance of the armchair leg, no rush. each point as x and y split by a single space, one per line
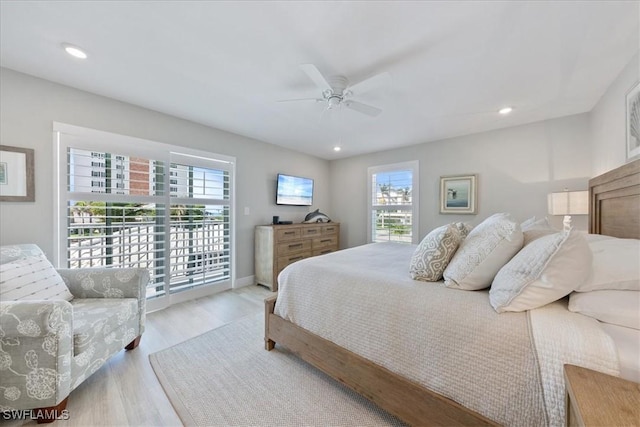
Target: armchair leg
51 413
133 344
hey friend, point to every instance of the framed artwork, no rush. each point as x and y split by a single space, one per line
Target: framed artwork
633 123
458 194
16 174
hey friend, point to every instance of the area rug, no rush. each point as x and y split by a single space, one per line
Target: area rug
226 378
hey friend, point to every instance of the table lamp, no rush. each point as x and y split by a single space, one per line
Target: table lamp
568 203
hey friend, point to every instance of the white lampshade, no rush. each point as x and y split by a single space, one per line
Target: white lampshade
568 203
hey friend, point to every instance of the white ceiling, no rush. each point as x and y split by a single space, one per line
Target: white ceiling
225 64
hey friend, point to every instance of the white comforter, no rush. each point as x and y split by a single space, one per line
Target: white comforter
507 366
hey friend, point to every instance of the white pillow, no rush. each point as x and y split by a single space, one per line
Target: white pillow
483 252
433 254
533 229
527 222
545 270
31 278
616 307
597 237
616 265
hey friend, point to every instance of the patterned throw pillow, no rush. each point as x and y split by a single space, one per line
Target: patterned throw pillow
31 278
533 229
434 253
544 271
487 248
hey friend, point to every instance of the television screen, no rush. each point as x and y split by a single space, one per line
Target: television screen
294 190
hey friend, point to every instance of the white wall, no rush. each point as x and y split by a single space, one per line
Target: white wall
28 106
608 121
517 168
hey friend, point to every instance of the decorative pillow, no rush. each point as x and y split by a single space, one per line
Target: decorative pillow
616 265
486 249
545 270
527 222
616 307
434 253
533 229
464 228
31 278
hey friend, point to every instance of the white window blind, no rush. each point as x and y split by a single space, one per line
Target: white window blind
161 208
393 202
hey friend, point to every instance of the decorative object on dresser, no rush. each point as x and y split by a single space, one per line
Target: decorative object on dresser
277 246
597 399
458 194
316 216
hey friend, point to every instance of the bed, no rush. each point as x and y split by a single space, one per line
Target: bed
450 378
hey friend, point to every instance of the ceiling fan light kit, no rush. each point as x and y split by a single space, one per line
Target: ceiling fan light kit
336 91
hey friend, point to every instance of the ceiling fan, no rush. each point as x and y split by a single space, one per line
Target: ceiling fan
336 91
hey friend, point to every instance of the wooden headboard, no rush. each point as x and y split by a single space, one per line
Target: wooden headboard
614 202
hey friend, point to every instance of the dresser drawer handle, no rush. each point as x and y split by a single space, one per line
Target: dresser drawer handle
297 245
289 232
325 240
295 258
330 229
326 251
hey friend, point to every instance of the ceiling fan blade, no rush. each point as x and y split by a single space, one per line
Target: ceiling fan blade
363 108
370 83
301 99
315 75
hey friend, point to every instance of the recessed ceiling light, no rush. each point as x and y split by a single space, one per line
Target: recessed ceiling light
505 110
336 148
74 51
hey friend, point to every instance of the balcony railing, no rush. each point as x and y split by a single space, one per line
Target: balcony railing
199 251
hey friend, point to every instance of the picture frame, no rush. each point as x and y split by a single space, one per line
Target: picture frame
633 123
459 194
17 182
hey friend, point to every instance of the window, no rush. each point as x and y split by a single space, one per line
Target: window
393 203
183 237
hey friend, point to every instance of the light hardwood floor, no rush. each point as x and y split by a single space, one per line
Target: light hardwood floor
125 391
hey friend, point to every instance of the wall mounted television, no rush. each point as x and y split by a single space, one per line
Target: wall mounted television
294 190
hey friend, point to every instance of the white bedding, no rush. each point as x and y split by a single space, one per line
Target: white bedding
627 342
507 366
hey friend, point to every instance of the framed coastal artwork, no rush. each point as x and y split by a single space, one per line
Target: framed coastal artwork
458 194
16 174
633 123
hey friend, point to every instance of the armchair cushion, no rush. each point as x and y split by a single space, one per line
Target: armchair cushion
26 274
97 319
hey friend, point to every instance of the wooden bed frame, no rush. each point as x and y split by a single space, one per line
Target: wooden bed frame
614 211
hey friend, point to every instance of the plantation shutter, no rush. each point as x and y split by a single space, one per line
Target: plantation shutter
156 207
393 203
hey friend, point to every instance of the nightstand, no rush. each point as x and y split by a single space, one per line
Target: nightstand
597 399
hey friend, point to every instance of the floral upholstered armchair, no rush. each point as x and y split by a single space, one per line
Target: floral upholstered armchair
57 327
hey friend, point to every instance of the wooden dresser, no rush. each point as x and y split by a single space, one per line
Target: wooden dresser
277 246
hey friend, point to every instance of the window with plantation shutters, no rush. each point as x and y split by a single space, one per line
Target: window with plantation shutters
393 203
125 202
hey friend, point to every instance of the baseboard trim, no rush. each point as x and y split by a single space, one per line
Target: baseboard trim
244 281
